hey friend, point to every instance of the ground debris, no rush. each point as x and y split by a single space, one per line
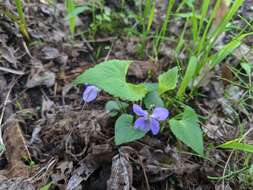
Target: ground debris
142 69
49 53
8 54
15 184
98 156
121 173
16 151
40 76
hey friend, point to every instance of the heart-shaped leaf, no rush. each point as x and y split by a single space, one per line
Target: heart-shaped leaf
168 80
151 86
110 76
188 130
124 131
153 99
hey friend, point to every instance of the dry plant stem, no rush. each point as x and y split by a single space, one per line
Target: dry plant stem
42 171
84 105
225 168
230 156
109 53
4 107
26 49
16 72
145 175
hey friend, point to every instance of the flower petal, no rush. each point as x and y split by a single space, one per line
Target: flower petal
154 126
139 111
90 93
160 114
142 124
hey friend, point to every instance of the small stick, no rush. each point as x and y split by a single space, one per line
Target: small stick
11 71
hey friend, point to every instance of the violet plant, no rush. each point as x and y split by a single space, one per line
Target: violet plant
147 122
90 93
133 124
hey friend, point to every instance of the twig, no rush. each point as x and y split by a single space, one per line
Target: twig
42 171
101 40
11 71
109 53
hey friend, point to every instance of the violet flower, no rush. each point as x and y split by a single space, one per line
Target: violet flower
90 93
147 122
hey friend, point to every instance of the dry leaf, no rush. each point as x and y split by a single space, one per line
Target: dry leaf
121 173
16 151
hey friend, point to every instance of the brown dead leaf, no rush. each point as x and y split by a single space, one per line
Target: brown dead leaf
226 74
46 78
142 69
219 128
98 156
8 54
151 161
16 151
221 12
40 76
48 110
49 53
79 175
121 173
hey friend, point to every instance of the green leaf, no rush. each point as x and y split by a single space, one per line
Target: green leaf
168 80
70 5
46 187
247 68
153 99
234 144
188 76
226 50
114 107
124 131
76 12
150 86
110 76
188 130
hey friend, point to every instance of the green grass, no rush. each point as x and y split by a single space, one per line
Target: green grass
164 28
187 79
70 6
146 22
22 22
204 36
206 42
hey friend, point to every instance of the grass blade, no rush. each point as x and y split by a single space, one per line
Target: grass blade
165 24
190 71
226 50
234 144
22 22
70 5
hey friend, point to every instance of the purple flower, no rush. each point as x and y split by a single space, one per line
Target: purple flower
147 122
90 93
